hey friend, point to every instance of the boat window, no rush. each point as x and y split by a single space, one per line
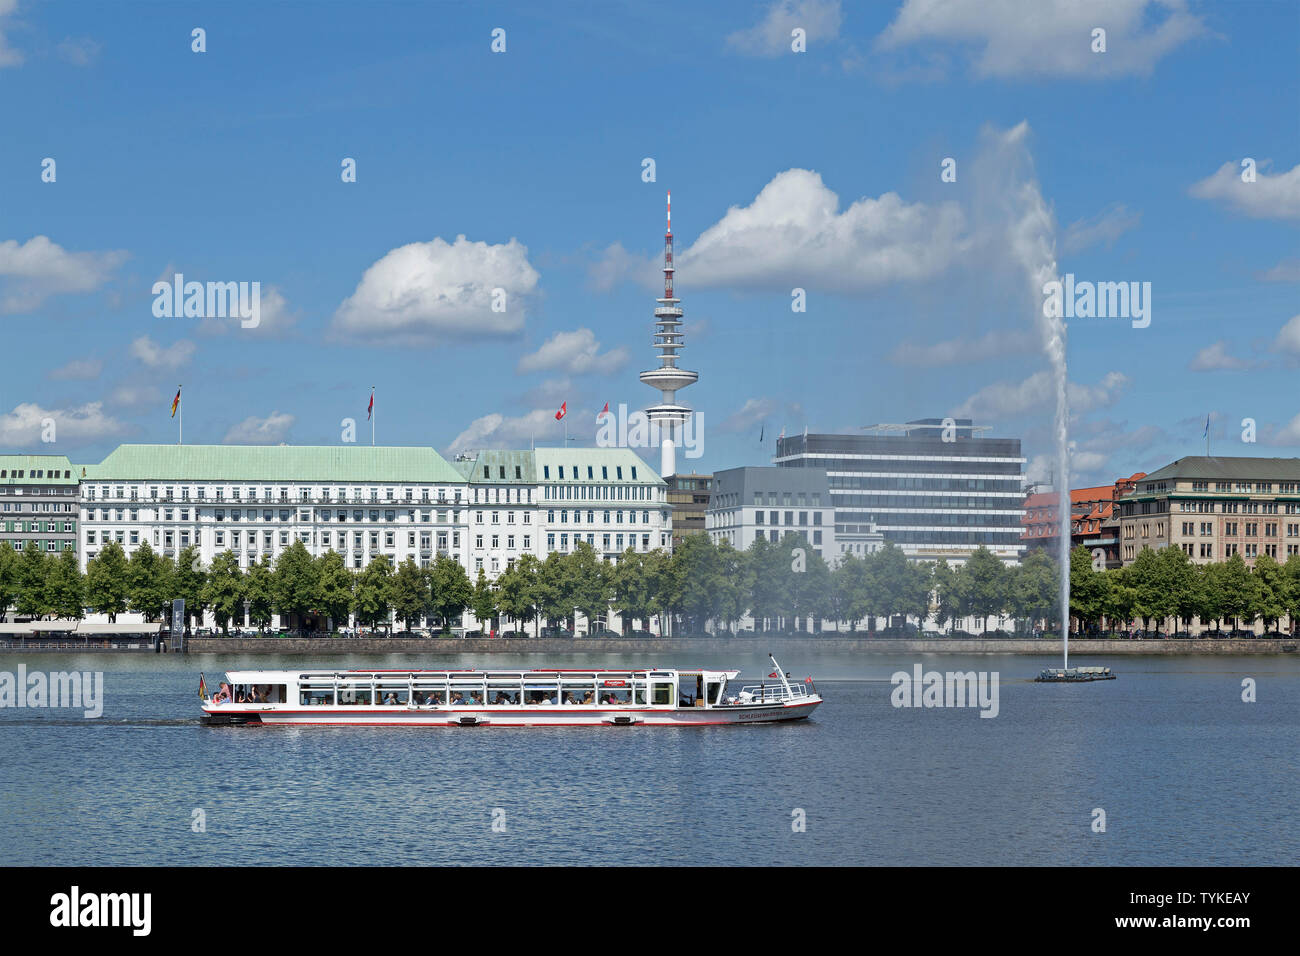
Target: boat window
316 695
540 693
430 695
503 695
468 694
393 694
639 694
715 691
615 695
579 692
663 694
354 694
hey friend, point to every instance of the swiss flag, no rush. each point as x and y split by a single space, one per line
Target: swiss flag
371 407
774 674
564 410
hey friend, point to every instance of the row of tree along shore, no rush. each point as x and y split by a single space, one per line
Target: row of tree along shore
700 587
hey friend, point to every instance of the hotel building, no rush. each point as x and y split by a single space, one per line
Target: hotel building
38 502
935 491
1213 508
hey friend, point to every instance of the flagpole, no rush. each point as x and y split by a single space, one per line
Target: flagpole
180 421
372 416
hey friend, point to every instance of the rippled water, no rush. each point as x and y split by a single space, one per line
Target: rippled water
1185 771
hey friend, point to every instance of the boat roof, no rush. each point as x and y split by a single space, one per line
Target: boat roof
504 673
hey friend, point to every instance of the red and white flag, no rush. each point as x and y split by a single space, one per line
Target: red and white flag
564 410
370 409
604 411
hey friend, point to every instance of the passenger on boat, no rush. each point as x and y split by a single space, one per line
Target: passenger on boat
568 699
457 700
473 699
588 698
391 698
222 696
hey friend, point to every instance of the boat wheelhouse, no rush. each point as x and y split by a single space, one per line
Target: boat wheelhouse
508 697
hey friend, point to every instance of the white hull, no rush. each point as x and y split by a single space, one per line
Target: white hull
536 716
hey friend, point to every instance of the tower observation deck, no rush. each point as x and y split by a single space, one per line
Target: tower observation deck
668 379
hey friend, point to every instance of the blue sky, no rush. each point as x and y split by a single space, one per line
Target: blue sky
817 170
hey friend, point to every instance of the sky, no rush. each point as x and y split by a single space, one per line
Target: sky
498 252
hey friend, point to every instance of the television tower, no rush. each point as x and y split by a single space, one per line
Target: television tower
668 378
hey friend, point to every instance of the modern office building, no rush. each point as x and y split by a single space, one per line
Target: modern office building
688 496
1094 519
930 486
750 503
38 502
1213 508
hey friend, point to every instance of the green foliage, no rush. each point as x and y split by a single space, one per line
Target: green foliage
409 593
484 600
259 591
223 591
370 599
32 573
151 581
450 589
8 577
65 589
294 584
107 581
334 584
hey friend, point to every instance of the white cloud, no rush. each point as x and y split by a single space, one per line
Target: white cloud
33 271
1216 358
993 344
275 318
1040 38
1288 270
1107 226
1288 434
79 51
819 19
135 395
8 55
1288 339
26 425
426 292
792 235
617 265
271 430
752 414
576 353
154 355
1268 197
498 431
1036 393
78 370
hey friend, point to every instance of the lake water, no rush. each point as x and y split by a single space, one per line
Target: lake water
1185 771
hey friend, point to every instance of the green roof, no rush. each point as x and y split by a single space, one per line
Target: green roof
625 458
1213 468
318 463
495 460
52 469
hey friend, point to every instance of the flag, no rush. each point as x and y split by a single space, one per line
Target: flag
176 402
564 410
371 407
774 674
604 411
781 437
203 688
1207 426
807 680
761 430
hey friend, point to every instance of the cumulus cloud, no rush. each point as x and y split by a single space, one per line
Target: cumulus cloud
150 353
1215 357
576 353
498 431
1288 434
32 271
426 292
1002 400
1268 197
271 430
135 395
8 55
1288 339
1288 270
819 19
793 234
1107 226
29 423
754 412
617 265
275 318
77 370
1048 38
993 344
79 51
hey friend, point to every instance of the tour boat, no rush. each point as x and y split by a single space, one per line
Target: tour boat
508 697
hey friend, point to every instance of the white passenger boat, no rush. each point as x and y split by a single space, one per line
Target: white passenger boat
507 698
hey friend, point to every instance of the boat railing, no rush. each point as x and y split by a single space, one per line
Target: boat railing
772 693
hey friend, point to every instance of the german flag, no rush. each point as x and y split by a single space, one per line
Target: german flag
203 688
176 402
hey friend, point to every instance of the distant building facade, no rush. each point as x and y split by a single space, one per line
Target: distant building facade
1213 508
934 489
1094 519
771 502
39 502
688 496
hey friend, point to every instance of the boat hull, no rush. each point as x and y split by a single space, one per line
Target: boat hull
535 716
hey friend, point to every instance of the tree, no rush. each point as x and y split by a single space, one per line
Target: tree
1035 589
731 594
695 571
810 587
552 589
1237 587
984 585
947 599
517 589
484 601
106 581
853 584
591 583
8 577
370 600
450 589
334 583
1270 589
188 582
1290 590
65 591
259 592
151 579
1150 582
1087 589
31 582
409 592
295 585
1179 576
223 590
